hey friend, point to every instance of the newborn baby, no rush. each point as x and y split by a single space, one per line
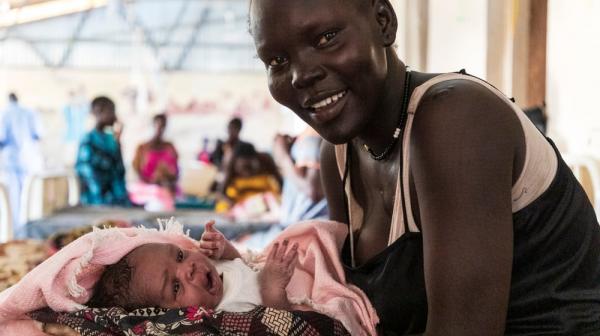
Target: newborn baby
213 276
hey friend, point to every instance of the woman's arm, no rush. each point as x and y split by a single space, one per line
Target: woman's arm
137 161
307 179
464 144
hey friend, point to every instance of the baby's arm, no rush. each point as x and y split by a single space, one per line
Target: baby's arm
214 244
276 275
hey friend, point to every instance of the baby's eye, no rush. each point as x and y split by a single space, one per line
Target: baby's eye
180 256
176 287
325 38
277 61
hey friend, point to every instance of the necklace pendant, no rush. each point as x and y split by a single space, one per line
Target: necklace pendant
398 130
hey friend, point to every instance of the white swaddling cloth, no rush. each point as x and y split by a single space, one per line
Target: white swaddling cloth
241 291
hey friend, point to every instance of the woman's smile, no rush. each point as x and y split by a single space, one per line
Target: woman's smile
327 108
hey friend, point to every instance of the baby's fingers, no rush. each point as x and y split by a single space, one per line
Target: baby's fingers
212 236
291 257
274 252
282 250
209 245
207 252
210 226
291 254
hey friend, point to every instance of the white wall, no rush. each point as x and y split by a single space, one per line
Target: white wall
457 36
573 84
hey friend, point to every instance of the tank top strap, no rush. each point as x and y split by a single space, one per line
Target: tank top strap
534 179
398 228
355 211
540 163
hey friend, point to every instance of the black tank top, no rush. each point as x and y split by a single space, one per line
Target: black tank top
555 284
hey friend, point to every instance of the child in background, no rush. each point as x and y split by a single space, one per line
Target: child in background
99 163
245 178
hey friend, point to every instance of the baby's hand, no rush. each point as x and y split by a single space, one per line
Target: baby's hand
276 275
214 244
280 265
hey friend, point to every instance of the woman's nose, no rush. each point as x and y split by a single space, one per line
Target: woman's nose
305 75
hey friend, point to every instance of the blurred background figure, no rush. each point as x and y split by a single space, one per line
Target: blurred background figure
302 197
76 112
298 158
537 115
204 154
247 182
155 162
19 136
224 149
99 162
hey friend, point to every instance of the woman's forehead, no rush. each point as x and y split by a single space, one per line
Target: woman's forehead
268 16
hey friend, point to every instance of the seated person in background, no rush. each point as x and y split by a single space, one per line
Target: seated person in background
99 163
245 177
155 161
223 283
302 197
224 149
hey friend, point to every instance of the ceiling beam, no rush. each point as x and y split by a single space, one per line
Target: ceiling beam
74 37
176 22
47 10
122 43
39 53
192 39
134 23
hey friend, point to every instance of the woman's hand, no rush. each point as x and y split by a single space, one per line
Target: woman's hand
214 244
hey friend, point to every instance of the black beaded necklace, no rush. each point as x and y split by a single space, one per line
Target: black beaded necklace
401 122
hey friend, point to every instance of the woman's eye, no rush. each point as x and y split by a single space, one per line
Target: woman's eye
176 287
325 38
180 256
277 61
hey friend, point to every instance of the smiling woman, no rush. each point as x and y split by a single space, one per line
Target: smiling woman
469 224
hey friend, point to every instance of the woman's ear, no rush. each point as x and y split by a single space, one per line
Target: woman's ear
387 21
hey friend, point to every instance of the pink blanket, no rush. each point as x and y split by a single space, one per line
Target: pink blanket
64 281
319 280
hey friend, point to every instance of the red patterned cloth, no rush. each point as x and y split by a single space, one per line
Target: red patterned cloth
193 321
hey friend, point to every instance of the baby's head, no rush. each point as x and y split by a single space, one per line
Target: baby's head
159 275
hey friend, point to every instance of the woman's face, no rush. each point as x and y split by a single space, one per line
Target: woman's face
325 60
159 128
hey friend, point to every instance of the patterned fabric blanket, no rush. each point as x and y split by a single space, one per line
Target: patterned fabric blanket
192 321
18 257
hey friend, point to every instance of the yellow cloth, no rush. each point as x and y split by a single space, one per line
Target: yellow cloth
243 187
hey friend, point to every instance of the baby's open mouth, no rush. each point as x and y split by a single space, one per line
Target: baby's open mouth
212 282
209 282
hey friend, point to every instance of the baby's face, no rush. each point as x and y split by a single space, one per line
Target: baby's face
169 277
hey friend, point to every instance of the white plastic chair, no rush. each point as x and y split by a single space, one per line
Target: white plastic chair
587 171
196 178
6 225
44 193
